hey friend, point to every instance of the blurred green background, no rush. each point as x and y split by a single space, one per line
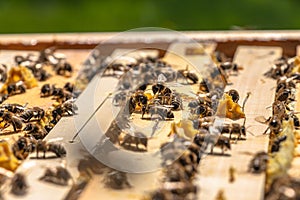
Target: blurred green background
27 16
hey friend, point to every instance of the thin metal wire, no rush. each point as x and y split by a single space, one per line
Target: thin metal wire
90 117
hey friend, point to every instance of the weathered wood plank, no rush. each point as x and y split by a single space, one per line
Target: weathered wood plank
214 170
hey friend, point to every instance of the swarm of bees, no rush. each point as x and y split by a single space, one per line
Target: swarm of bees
19 185
180 172
35 122
47 57
134 142
286 72
159 104
155 100
181 162
17 115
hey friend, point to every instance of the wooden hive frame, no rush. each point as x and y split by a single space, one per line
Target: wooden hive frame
281 42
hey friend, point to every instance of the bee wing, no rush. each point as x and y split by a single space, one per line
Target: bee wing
162 106
261 119
168 106
295 113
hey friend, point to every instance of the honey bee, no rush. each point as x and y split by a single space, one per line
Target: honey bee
116 180
279 109
234 95
200 100
176 102
203 111
214 140
11 119
230 67
258 163
205 86
138 139
274 123
33 63
42 75
138 99
44 146
46 90
189 162
285 83
32 113
161 89
3 97
14 108
61 95
203 122
173 100
63 68
188 75
281 67
23 147
296 120
176 173
68 108
16 88
171 151
58 175
69 87
160 112
19 185
284 95
275 144
35 130
234 128
3 73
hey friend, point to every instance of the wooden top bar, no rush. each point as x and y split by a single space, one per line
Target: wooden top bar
227 40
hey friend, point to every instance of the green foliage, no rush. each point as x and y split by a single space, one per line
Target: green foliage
23 16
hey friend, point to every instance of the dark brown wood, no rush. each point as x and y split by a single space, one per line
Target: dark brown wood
227 41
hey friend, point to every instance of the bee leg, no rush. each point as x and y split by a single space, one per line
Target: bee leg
143 112
6 125
37 154
212 149
266 131
44 155
186 80
15 128
137 145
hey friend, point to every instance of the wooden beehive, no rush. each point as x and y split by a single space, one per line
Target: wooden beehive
255 51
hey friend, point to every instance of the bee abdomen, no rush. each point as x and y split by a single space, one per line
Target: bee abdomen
57 149
27 115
